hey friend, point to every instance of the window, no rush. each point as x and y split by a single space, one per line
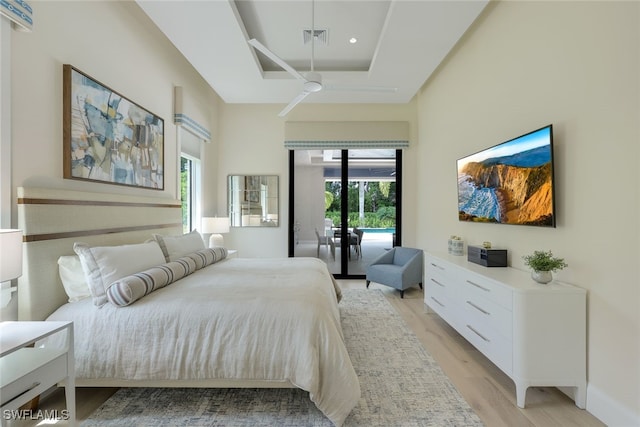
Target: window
186 193
190 179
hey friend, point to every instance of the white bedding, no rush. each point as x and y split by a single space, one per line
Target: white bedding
258 319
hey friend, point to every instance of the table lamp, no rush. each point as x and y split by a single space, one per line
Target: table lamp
10 260
216 226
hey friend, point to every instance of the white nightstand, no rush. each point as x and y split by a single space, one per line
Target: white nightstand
26 371
232 253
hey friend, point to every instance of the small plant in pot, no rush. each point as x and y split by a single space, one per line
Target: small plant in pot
543 263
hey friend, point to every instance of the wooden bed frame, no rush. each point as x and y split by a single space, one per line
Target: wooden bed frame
53 219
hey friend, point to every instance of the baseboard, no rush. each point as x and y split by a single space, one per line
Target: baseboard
609 411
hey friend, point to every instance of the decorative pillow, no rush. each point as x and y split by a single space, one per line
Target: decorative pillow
175 247
104 265
208 256
72 277
131 288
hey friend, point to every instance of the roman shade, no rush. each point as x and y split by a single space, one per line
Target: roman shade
346 135
186 121
19 12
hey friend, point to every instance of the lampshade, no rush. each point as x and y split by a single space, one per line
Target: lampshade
10 254
215 225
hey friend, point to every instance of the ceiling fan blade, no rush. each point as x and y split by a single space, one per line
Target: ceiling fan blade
275 58
387 89
293 103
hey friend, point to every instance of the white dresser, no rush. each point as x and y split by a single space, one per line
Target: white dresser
536 334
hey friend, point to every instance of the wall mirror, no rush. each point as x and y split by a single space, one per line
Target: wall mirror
253 200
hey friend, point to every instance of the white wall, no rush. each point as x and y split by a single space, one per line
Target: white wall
251 141
115 43
309 200
9 305
576 65
5 123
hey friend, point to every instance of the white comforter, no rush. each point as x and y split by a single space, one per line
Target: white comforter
260 319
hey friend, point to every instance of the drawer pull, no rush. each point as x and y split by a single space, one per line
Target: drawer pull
478 286
478 334
437 266
34 385
480 309
438 302
436 282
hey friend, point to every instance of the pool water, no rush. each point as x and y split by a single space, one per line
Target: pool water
379 230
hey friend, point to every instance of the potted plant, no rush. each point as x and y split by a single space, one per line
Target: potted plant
543 263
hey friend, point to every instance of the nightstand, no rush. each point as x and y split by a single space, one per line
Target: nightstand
27 371
232 253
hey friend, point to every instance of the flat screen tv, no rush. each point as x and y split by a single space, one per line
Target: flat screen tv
510 183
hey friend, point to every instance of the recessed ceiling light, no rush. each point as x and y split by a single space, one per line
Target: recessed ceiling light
353 40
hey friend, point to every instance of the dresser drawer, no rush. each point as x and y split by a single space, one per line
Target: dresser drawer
477 285
441 275
482 311
45 367
438 283
439 269
439 301
492 344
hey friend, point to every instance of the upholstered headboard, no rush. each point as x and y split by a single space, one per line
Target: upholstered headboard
53 219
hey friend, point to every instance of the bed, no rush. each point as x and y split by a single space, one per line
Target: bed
228 323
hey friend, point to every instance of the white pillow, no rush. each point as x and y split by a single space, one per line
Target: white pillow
72 277
104 265
175 247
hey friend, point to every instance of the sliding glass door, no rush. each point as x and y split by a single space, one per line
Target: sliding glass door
345 206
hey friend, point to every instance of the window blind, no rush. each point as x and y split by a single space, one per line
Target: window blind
346 135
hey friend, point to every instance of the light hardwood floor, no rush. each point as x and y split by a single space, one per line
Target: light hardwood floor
489 391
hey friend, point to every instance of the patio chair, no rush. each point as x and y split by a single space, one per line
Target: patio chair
399 268
326 241
356 241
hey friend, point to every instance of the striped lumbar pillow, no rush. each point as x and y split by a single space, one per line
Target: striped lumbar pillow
131 288
208 256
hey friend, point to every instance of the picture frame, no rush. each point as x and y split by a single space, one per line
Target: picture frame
107 137
252 188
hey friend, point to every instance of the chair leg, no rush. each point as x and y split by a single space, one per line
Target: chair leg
401 294
368 282
420 284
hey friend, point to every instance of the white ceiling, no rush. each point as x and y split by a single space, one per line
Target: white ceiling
400 43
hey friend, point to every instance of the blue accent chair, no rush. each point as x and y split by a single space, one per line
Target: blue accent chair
399 267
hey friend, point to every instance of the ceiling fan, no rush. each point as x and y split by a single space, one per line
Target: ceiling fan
312 79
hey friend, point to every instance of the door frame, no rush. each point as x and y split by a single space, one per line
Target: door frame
344 204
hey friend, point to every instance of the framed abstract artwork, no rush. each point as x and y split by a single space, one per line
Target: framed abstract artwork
107 137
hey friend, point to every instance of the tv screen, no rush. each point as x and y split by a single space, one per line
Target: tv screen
510 183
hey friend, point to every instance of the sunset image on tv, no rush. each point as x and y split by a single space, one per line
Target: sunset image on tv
511 183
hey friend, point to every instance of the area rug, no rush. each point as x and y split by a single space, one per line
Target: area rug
401 386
